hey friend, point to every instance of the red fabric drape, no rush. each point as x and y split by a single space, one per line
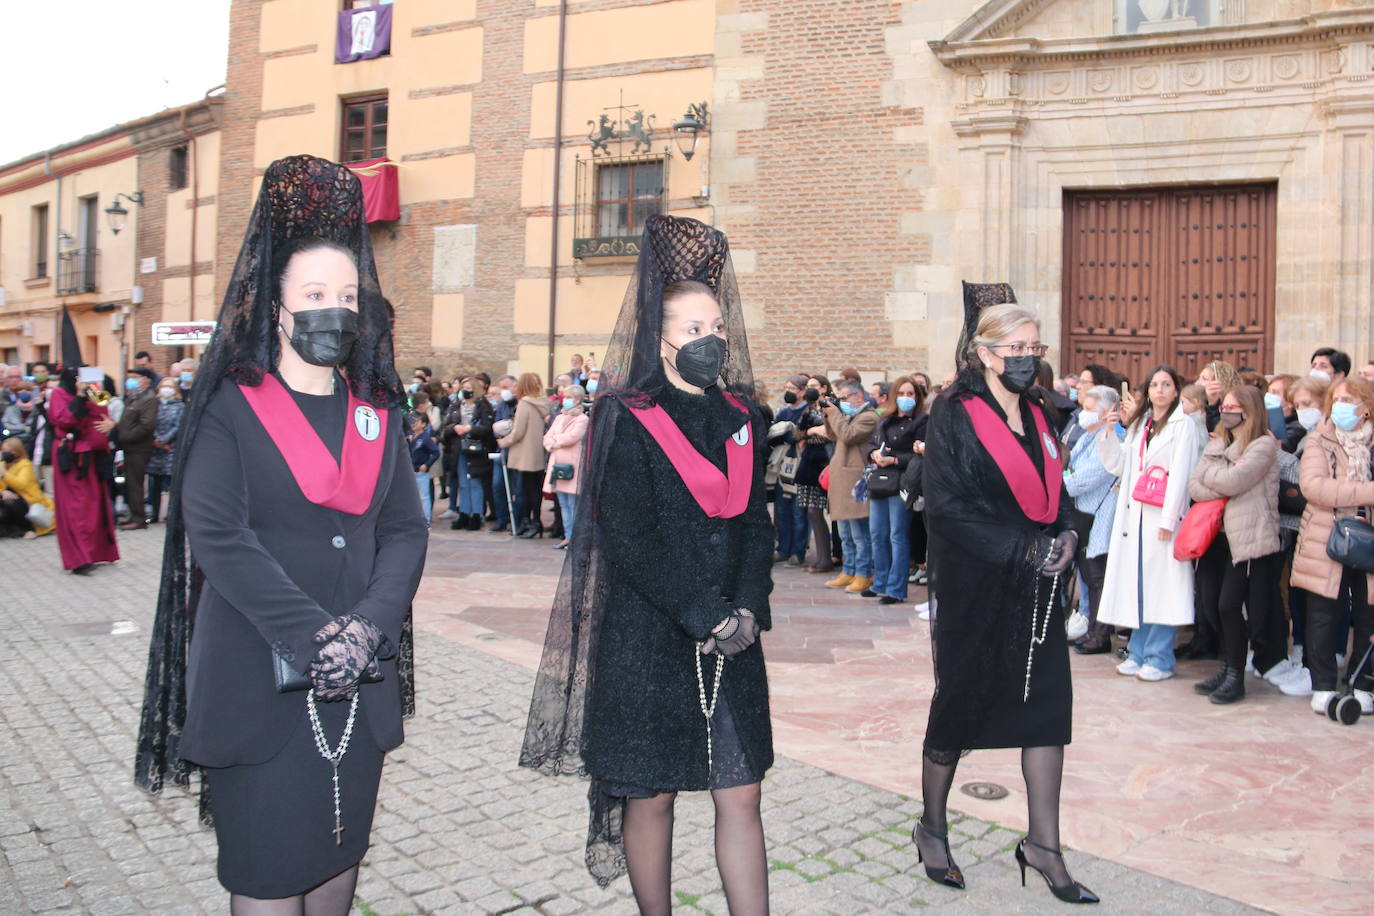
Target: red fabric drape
381 191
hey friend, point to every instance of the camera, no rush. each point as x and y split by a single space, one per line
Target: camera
810 395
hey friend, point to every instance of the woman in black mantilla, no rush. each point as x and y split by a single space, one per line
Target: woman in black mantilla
1000 539
652 680
293 491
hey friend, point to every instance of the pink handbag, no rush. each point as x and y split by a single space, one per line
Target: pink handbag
1150 486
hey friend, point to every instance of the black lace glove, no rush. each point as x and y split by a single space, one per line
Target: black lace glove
349 646
1061 554
734 634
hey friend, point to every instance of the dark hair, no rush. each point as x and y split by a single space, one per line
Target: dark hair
852 374
48 366
1044 374
884 389
826 387
143 354
1145 407
1101 375
685 288
1250 378
416 416
428 372
281 257
1340 362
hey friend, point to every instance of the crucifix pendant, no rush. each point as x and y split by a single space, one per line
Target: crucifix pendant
338 831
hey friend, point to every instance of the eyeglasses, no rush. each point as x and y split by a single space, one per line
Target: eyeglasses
1021 348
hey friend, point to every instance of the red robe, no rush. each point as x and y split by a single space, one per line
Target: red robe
85 515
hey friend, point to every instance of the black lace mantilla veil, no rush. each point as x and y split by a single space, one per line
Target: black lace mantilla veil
301 197
673 249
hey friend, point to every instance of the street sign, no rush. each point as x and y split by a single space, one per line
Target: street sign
182 333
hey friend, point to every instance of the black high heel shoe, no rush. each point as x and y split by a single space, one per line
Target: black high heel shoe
950 876
531 531
1071 893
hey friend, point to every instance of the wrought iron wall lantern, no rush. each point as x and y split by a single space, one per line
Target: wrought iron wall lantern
117 213
692 125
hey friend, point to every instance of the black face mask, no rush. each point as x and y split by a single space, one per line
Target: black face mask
7 457
465 395
1019 372
699 361
1232 420
789 397
324 337
811 395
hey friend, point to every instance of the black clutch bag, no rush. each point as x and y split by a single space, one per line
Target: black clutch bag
1352 543
884 482
561 472
469 446
289 680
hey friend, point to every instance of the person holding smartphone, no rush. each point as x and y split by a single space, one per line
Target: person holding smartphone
891 449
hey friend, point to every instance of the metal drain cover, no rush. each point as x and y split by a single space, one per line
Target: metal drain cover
986 791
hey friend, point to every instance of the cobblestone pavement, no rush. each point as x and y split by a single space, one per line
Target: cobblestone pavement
460 829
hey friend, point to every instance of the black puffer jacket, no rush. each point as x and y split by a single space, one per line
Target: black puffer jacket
672 574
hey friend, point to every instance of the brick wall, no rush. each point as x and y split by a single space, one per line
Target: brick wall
242 104
810 173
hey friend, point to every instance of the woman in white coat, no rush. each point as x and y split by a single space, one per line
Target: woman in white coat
1146 589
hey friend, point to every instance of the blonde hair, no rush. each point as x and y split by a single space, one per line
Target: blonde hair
996 323
529 386
1194 392
1225 373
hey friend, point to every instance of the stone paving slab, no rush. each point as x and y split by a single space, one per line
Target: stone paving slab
459 829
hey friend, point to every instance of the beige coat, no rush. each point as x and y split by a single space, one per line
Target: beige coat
526 439
851 435
1325 492
1249 479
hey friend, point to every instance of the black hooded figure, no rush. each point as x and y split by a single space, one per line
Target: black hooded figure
652 681
294 546
1000 539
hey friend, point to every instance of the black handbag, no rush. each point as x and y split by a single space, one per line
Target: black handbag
470 446
884 482
561 472
289 680
1291 500
1352 543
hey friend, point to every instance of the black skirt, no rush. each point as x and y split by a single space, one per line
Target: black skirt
729 766
275 821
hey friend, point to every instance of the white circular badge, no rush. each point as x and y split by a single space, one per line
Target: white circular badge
367 423
1051 448
742 437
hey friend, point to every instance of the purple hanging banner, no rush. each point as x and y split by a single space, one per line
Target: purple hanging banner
363 34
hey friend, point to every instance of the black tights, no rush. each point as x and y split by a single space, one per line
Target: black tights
332 898
820 532
740 854
533 482
1043 770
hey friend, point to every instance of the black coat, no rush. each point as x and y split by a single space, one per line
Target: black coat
985 555
483 416
278 567
673 573
899 434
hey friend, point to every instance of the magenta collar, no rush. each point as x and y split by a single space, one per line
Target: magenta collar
719 495
347 485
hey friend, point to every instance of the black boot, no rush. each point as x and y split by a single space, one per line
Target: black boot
1206 687
475 522
1231 689
459 523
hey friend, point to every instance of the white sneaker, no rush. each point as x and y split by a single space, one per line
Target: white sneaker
1300 685
1129 668
1077 626
1319 700
448 513
1281 672
1366 699
1151 673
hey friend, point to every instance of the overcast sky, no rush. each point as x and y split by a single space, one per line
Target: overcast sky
75 67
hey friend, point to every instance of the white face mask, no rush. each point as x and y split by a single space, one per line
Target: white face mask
1309 417
166 394
1088 418
507 394
1321 374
